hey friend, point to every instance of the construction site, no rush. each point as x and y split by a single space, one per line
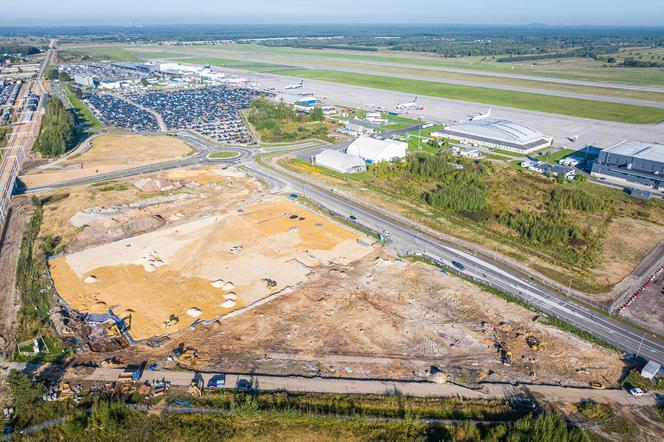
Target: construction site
106 153
205 268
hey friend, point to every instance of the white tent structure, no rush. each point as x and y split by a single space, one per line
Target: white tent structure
374 151
340 161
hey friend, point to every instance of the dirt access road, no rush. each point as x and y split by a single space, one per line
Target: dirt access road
10 244
341 386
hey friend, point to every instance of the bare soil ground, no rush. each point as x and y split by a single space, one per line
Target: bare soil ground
628 242
108 154
348 310
146 275
10 244
646 309
385 318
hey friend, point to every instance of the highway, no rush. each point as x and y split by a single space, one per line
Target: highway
409 239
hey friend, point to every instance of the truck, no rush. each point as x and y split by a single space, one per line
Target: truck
132 373
217 381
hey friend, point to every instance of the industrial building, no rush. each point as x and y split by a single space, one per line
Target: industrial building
339 161
634 162
494 133
550 169
373 150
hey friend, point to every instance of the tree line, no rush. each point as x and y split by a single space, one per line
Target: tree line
58 130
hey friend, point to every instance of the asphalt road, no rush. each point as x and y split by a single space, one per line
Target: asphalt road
408 240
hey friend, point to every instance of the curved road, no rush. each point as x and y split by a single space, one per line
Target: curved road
409 238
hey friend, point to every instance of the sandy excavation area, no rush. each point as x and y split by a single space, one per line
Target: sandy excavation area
108 153
387 318
200 269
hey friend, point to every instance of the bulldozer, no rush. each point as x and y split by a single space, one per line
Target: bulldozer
534 343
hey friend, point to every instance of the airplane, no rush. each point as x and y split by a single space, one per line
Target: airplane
481 116
295 86
410 105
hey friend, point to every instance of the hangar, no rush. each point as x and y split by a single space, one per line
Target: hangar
373 150
633 161
501 134
339 161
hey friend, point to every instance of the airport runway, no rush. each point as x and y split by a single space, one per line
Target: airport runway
445 111
529 90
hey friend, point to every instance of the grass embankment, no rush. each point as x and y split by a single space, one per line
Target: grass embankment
597 110
83 114
635 380
34 289
222 155
558 228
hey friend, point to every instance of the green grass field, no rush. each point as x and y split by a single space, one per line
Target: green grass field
542 103
222 155
529 101
82 112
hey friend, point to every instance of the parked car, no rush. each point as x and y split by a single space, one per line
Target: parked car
637 392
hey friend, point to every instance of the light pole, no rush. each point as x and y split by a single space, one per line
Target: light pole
640 344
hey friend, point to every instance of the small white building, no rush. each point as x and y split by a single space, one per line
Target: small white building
550 169
339 161
375 118
650 370
372 150
465 152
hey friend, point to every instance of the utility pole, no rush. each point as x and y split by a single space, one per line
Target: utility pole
569 287
640 344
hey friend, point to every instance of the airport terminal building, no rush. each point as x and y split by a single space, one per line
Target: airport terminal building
495 133
633 161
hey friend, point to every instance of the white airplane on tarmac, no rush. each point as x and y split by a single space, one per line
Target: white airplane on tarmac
410 105
481 116
295 86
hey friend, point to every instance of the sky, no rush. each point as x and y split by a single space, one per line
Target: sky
123 12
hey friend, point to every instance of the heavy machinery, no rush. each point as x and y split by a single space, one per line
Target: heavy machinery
196 386
534 343
505 354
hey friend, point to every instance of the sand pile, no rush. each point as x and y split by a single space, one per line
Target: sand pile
156 185
194 312
151 262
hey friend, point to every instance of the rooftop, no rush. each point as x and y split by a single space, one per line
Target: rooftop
498 129
638 149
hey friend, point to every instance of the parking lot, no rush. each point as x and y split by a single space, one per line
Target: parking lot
211 111
113 111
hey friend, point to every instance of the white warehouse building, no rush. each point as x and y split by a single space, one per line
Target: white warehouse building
339 161
494 133
372 150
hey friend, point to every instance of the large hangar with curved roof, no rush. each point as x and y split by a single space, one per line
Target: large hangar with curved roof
501 134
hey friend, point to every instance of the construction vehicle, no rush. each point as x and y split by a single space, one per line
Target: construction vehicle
132 373
597 385
196 386
505 354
